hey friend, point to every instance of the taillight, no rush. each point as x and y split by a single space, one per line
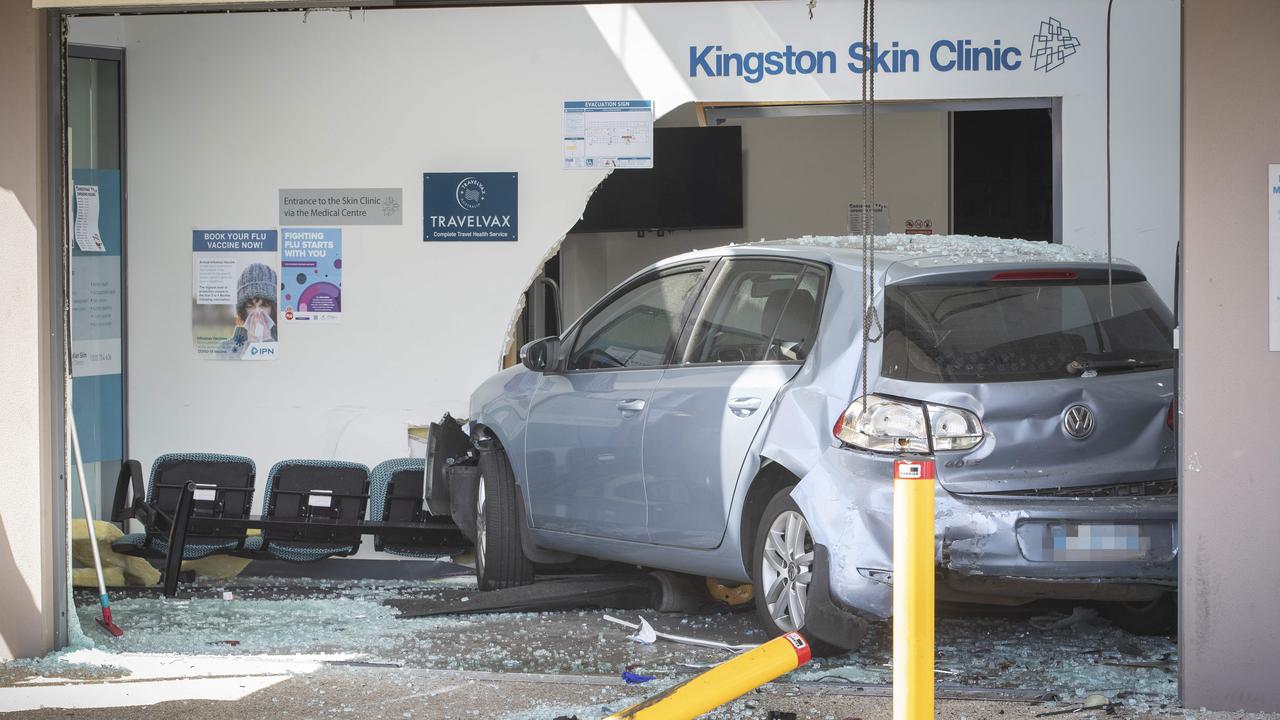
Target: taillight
1013 275
886 425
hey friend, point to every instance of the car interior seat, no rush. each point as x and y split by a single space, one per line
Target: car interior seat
789 318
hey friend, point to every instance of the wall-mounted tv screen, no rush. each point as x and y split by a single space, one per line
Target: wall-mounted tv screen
695 183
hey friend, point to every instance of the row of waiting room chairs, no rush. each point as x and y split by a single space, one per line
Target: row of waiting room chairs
330 490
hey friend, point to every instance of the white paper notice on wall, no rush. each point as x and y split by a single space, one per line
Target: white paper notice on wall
608 134
879 218
1273 245
88 236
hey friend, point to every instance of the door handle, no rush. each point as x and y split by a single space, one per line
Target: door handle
744 406
630 406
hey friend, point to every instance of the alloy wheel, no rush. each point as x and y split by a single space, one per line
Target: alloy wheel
481 532
786 569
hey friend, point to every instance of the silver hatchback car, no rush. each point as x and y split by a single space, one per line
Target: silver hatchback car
706 417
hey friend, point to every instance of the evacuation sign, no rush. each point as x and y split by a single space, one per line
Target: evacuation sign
608 134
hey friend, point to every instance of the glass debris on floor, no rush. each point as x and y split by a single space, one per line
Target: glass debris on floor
1072 657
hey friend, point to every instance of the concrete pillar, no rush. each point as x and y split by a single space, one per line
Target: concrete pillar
1230 637
26 512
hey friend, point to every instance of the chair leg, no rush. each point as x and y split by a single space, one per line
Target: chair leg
178 540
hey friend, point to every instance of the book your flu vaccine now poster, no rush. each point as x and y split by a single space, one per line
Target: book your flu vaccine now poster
311 274
235 283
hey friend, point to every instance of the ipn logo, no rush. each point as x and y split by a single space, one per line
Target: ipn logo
1051 47
470 193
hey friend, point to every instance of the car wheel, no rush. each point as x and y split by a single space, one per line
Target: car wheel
783 567
1155 617
500 560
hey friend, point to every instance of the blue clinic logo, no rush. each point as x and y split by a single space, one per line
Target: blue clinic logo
1051 47
470 193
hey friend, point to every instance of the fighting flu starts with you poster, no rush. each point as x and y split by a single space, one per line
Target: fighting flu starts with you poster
311 274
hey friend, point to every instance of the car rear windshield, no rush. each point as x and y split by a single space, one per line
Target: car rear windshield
1002 331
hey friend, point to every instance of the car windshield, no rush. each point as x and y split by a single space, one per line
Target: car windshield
1004 331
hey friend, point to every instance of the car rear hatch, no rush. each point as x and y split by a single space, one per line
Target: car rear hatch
1072 377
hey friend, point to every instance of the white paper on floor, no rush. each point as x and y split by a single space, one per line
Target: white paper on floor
158 677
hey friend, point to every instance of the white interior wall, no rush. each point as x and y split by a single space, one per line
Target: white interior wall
225 109
799 176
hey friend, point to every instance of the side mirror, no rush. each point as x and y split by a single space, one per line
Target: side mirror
541 355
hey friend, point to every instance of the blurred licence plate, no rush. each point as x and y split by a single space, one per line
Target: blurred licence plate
1073 542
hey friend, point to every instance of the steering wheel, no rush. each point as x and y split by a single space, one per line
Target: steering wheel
595 358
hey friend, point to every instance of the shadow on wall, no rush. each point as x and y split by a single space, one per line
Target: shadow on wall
20 632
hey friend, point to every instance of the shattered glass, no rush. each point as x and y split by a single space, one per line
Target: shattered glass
1073 655
952 249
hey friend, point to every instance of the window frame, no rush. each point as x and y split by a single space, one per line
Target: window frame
722 265
570 338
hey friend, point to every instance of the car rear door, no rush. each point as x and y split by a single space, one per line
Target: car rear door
753 330
582 448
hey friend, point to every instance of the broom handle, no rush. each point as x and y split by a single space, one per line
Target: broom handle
88 509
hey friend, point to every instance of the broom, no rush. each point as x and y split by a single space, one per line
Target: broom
105 620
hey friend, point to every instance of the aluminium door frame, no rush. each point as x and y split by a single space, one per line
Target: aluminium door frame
57 278
117 55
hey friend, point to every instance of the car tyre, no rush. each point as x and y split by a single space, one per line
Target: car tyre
782 561
500 558
1155 617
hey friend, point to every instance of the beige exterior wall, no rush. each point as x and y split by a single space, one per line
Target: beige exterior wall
26 557
1230 489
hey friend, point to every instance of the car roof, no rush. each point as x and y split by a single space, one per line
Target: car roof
907 256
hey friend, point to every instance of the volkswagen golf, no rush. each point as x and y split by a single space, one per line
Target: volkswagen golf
708 417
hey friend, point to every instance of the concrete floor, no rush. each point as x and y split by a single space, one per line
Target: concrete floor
333 649
359 693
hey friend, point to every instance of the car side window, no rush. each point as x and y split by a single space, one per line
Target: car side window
758 310
638 328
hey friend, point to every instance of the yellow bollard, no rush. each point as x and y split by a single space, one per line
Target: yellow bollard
913 592
723 682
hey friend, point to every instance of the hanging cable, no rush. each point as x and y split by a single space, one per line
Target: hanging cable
869 317
1110 299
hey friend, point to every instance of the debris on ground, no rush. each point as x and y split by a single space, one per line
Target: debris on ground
646 635
633 679
698 642
308 616
626 592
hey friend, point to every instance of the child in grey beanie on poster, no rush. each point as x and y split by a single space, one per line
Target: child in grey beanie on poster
255 309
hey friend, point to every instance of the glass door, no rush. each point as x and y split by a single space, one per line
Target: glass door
95 114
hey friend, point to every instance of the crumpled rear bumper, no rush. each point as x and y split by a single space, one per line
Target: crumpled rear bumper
985 543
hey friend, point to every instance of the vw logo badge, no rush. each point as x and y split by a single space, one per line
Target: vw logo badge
1078 422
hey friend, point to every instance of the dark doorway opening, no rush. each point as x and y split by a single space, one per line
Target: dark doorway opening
1002 173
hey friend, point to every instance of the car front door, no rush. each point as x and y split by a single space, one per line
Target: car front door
583 450
753 331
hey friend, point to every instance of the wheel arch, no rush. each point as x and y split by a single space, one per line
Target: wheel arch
772 477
